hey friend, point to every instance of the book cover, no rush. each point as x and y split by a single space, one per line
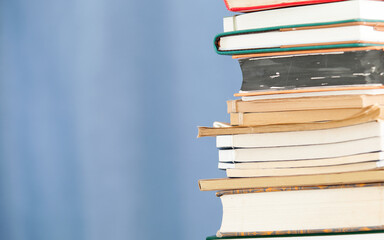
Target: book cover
313 70
317 13
249 6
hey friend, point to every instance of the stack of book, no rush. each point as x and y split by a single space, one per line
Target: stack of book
304 149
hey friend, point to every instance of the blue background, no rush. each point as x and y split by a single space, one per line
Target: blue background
99 107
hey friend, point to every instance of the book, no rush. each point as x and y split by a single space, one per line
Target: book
306 14
293 171
256 5
358 158
296 116
366 235
295 209
368 114
304 103
316 151
310 51
278 73
310 92
295 138
350 33
359 177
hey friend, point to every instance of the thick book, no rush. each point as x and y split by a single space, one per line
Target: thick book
366 235
319 13
359 177
317 151
293 210
304 103
278 73
368 114
257 5
296 116
350 33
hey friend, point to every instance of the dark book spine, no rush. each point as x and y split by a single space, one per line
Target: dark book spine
314 70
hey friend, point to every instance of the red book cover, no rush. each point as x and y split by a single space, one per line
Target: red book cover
257 5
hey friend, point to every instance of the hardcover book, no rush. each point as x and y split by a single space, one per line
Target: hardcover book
349 33
312 70
256 5
319 13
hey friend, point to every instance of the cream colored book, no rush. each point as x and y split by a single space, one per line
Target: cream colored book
299 116
287 181
293 37
304 103
322 136
372 113
364 234
358 158
316 151
271 172
298 210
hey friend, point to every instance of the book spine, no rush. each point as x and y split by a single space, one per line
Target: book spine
232 106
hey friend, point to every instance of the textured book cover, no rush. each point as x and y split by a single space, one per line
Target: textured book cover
313 70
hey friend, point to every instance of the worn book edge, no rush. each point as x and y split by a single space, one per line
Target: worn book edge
368 114
300 232
214 237
296 188
221 184
305 103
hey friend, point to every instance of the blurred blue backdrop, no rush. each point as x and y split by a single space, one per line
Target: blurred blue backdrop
99 107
